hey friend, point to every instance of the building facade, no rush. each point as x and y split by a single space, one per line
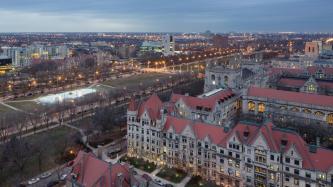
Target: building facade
245 155
288 105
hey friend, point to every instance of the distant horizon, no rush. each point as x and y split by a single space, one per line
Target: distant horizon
162 32
172 16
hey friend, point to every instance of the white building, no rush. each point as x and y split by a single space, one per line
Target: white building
168 43
247 155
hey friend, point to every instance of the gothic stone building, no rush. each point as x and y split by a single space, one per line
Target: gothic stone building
246 155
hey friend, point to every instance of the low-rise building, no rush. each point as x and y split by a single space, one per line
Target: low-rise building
288 105
88 170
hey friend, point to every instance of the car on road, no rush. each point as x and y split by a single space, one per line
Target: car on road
159 182
63 177
33 180
45 175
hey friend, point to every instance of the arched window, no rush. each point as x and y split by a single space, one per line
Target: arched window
261 107
307 111
311 88
295 109
226 78
251 106
319 113
329 119
213 77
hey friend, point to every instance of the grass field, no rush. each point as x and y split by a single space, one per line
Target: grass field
27 106
147 79
51 143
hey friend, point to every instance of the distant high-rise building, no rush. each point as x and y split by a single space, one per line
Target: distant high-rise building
313 49
168 42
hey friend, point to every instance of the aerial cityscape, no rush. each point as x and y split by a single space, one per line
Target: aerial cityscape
174 94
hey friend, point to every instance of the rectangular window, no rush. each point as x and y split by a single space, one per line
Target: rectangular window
296 162
272 157
296 182
308 175
287 160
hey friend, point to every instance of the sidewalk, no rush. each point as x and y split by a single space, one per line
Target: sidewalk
154 173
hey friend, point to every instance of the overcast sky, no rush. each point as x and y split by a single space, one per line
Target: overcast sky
166 15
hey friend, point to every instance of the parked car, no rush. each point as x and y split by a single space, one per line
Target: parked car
159 182
33 181
45 175
63 177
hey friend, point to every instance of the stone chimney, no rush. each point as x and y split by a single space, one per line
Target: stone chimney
119 180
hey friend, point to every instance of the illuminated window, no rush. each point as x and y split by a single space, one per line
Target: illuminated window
311 88
272 176
329 119
295 109
261 107
319 114
307 111
251 106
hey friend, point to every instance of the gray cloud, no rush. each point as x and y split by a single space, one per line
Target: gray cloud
172 15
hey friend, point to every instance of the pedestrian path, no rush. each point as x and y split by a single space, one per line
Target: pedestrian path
11 107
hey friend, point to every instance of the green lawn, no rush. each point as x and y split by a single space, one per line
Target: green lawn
146 79
50 145
139 163
197 181
172 174
5 109
28 106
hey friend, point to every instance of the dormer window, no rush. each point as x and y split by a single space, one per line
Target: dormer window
311 88
246 134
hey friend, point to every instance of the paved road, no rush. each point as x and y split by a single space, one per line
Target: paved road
56 173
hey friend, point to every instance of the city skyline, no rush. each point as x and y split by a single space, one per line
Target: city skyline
152 16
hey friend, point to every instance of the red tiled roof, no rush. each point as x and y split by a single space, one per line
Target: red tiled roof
132 106
297 97
292 82
200 130
207 102
275 71
311 70
153 106
91 171
300 82
321 160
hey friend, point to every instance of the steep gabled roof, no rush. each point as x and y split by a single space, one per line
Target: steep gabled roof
92 171
201 130
153 106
